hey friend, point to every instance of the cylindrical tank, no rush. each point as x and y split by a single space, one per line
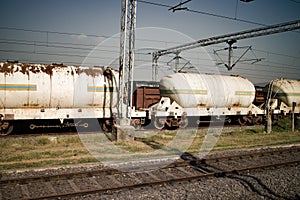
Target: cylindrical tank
56 86
288 91
190 90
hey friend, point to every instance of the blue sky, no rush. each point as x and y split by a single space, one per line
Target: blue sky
35 31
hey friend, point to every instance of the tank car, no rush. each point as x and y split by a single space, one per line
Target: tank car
284 95
55 92
190 96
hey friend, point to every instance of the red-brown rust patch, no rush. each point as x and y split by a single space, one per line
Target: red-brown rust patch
24 69
48 69
90 71
10 68
7 69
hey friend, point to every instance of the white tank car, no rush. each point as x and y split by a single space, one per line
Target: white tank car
202 90
284 93
188 96
35 91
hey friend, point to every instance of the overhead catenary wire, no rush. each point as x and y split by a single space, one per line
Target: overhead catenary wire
274 64
80 48
208 13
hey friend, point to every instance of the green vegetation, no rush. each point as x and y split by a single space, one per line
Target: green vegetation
42 151
45 151
283 125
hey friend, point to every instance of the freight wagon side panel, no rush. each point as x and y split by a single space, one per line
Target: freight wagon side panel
143 97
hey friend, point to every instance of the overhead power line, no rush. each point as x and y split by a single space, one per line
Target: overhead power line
52 32
204 13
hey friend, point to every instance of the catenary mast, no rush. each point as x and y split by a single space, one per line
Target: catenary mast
126 59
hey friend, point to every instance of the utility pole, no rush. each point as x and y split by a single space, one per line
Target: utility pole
268 125
293 116
126 60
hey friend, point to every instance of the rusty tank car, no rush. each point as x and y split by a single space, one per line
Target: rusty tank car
55 92
44 93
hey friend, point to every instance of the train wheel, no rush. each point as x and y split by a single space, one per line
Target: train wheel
184 123
106 126
5 128
136 123
159 123
242 121
257 120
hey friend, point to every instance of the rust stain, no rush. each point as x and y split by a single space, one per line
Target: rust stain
48 69
13 67
31 105
7 69
96 105
90 71
108 73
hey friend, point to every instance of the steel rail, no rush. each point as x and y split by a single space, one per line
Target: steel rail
201 168
171 180
111 171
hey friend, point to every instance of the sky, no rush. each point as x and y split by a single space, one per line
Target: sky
86 32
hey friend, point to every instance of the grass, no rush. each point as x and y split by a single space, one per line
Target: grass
42 151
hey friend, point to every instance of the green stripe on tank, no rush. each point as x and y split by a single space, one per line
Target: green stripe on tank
293 94
184 91
244 93
101 89
18 87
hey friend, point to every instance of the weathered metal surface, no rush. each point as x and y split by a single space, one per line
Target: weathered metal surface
286 90
35 87
143 97
209 91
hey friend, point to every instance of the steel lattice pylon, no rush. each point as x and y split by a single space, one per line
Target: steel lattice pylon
126 58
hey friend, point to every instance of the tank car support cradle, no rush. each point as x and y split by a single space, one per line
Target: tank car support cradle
5 127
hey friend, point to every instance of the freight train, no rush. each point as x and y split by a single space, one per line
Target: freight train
189 98
45 96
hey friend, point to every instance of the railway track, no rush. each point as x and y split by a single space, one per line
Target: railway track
106 180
